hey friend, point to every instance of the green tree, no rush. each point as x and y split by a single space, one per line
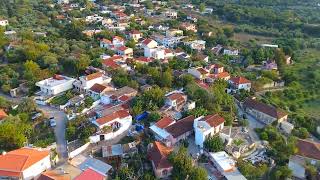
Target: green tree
198 173
198 111
166 79
250 171
182 164
213 144
202 7
126 173
281 172
27 105
13 133
31 70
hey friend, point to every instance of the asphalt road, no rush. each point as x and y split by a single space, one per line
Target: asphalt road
61 120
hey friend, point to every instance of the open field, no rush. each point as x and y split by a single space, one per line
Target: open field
244 37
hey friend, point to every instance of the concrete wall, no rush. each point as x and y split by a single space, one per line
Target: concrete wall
79 150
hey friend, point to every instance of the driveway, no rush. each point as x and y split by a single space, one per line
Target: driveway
60 129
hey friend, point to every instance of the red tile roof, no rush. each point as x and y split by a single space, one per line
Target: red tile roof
146 41
51 175
158 154
3 114
308 149
122 48
98 88
181 127
110 64
16 161
239 80
124 98
164 122
214 120
106 41
135 32
144 59
118 114
90 174
264 108
94 76
57 77
178 97
202 71
114 58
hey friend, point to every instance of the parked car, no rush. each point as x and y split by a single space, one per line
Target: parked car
36 115
52 122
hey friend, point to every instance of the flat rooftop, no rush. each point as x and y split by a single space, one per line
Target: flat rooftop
54 81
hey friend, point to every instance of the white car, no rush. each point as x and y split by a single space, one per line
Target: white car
52 122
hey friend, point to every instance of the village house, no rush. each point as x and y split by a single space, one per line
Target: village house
170 132
231 136
188 27
308 152
192 18
149 43
270 65
117 41
24 163
172 14
238 83
217 49
90 173
62 1
119 150
210 73
113 62
111 125
105 43
265 113
231 52
4 22
86 82
135 35
86 164
156 53
119 15
94 18
199 73
91 32
206 126
198 45
176 100
226 166
143 60
122 94
125 52
55 85
98 89
168 41
158 154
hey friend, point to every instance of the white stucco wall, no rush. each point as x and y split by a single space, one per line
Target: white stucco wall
37 168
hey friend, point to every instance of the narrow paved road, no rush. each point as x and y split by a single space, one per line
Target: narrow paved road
61 120
59 130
